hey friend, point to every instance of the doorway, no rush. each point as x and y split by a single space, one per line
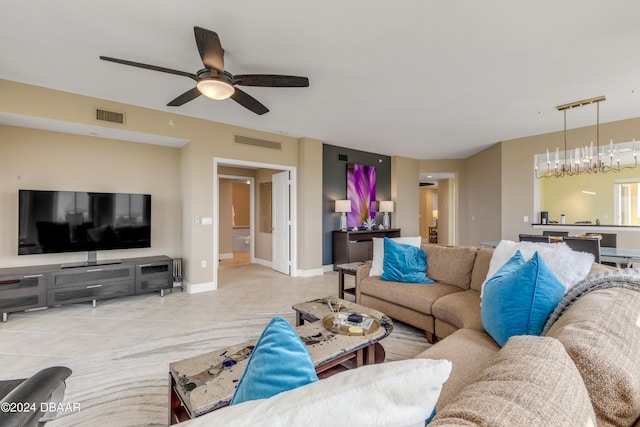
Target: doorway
256 220
236 220
438 207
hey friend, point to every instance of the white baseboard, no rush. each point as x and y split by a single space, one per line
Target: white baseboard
227 255
310 273
199 287
263 262
327 268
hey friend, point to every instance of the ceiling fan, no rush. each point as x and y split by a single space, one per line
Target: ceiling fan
214 81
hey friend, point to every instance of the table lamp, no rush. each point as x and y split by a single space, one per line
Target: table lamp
343 206
386 206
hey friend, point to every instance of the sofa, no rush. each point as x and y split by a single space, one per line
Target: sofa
583 369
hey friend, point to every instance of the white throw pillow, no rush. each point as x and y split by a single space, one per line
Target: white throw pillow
567 265
401 393
378 251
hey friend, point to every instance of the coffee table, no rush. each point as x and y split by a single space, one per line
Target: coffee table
204 383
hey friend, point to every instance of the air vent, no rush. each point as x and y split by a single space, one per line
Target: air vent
109 116
258 142
343 157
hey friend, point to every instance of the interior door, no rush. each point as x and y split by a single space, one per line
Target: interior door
280 200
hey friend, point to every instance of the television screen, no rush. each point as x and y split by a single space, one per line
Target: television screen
72 221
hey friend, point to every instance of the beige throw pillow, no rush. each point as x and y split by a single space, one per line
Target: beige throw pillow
601 333
532 382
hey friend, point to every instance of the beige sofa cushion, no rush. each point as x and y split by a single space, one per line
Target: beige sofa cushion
601 333
469 352
451 265
460 309
481 268
419 297
532 382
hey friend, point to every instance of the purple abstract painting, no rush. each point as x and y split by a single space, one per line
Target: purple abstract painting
361 190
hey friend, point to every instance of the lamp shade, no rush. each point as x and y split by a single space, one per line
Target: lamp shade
343 205
386 206
215 89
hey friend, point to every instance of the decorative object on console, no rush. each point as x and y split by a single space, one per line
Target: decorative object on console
369 224
343 206
361 190
587 159
386 206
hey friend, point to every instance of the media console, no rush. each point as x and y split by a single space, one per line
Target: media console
25 288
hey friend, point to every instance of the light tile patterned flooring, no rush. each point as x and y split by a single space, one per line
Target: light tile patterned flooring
33 340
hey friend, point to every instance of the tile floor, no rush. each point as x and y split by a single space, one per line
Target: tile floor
33 340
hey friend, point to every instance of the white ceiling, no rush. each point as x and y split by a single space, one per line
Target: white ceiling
419 78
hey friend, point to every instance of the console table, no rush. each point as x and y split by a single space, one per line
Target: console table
25 288
353 246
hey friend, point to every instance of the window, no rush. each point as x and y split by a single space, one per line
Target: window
627 202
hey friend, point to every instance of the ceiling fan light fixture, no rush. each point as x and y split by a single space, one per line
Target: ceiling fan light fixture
215 88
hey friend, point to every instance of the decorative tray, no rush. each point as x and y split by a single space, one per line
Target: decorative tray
367 325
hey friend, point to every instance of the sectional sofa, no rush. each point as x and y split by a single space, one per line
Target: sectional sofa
585 370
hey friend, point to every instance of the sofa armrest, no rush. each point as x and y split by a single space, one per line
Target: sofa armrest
362 271
44 386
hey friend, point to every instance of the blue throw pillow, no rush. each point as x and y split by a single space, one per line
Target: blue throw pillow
514 263
404 263
279 362
520 301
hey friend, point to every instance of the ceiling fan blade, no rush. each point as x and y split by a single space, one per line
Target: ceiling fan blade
189 95
210 49
270 80
248 101
150 67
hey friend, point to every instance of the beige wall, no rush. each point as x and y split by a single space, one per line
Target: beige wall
481 218
188 173
405 187
310 204
43 160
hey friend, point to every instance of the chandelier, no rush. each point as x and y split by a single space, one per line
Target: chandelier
588 159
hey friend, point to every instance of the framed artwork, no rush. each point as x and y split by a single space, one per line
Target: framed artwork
361 191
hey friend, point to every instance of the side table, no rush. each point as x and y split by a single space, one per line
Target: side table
349 269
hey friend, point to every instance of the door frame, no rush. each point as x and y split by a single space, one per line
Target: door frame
293 210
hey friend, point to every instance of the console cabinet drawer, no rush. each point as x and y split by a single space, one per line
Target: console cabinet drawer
92 275
89 292
154 276
22 292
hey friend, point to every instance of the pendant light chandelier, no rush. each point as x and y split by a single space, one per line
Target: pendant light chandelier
588 159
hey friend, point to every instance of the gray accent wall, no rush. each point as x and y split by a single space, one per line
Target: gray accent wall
334 184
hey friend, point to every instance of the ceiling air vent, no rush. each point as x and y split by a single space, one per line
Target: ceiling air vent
257 142
109 116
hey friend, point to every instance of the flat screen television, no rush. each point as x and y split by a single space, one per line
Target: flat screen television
74 221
